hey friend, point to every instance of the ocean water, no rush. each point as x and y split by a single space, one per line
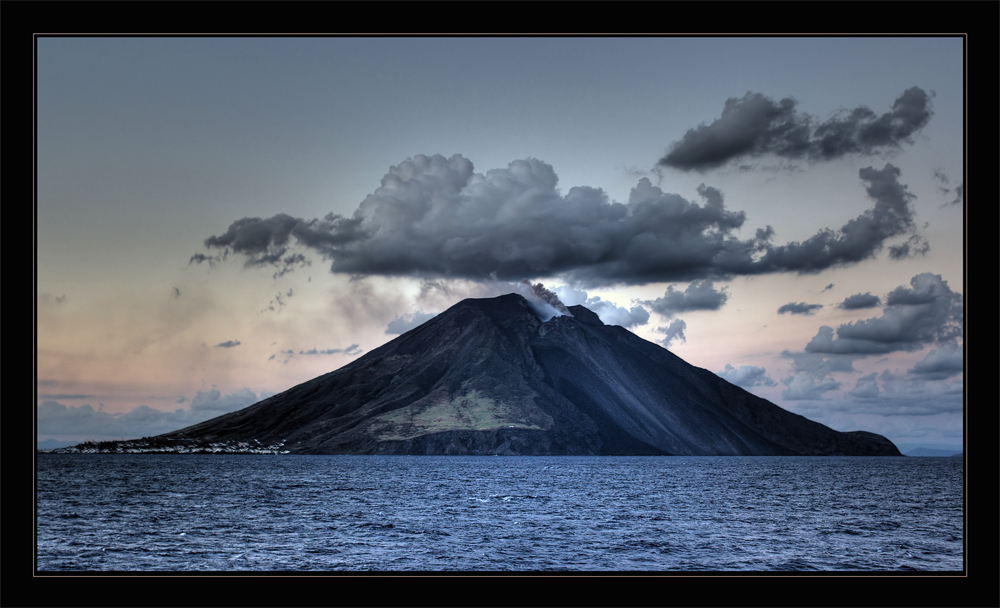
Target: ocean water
153 512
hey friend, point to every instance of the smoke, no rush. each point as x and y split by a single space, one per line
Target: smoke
544 302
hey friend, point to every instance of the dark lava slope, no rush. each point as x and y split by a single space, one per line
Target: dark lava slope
487 376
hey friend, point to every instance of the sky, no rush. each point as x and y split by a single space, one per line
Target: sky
220 219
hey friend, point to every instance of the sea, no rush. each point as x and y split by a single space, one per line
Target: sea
293 513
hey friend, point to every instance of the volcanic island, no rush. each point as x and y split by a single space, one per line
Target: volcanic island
503 376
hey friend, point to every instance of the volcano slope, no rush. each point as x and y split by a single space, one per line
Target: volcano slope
488 376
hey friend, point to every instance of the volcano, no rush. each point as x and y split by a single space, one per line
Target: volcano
495 376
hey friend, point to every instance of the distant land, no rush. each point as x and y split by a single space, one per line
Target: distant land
513 376
933 452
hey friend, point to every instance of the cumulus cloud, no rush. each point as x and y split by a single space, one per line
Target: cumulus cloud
699 295
609 312
927 313
85 422
866 399
756 125
859 239
228 344
674 331
860 300
213 403
434 217
746 376
403 324
941 363
821 365
805 386
799 309
866 387
617 315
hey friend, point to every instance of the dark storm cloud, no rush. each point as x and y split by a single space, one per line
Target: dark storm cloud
928 313
860 300
746 376
700 295
799 309
756 125
228 343
433 217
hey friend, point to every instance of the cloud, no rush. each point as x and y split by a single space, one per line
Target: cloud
859 239
860 300
940 175
699 295
66 396
609 312
805 386
746 376
617 315
928 313
403 324
959 195
435 218
228 343
278 301
213 403
821 365
85 422
941 363
674 331
866 387
867 399
799 309
351 350
755 126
